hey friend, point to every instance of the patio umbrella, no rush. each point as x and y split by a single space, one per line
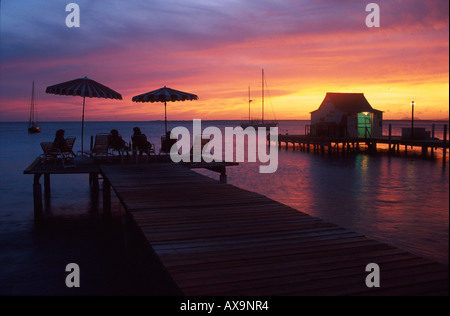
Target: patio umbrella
83 87
164 95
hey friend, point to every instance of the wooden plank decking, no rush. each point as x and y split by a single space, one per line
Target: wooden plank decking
216 239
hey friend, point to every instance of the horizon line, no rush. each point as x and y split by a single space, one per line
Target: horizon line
206 120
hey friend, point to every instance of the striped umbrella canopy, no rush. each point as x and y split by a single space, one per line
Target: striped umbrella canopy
164 95
83 87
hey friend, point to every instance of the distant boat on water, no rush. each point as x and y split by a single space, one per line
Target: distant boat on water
257 122
33 126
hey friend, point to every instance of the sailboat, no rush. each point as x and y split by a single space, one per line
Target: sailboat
256 122
32 124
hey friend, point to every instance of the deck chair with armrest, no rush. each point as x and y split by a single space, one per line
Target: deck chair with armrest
51 152
68 151
140 145
122 151
100 148
193 156
203 141
166 144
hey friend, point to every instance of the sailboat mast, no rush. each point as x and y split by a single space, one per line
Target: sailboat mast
249 101
32 105
262 97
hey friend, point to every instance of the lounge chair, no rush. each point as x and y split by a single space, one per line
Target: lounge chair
191 155
140 145
100 149
51 152
122 152
166 144
203 142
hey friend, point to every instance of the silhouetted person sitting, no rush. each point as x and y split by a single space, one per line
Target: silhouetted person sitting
59 143
167 142
115 141
140 141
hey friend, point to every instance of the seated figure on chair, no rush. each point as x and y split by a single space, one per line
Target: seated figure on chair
59 143
115 141
167 142
140 141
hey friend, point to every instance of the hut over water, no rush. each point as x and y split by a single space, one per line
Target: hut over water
346 115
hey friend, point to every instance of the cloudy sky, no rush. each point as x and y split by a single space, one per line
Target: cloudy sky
216 49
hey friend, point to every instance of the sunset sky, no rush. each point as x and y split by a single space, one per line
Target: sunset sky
216 49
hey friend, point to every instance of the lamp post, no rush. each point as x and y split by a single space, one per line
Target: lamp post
412 119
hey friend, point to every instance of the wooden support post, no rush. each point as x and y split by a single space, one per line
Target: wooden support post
390 138
223 176
372 146
106 198
433 127
424 151
444 147
37 197
93 181
47 189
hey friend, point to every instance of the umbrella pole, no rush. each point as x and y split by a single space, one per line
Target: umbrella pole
165 116
82 126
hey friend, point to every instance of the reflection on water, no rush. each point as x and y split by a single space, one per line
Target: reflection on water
396 200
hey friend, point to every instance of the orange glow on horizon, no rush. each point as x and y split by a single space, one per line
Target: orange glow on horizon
431 102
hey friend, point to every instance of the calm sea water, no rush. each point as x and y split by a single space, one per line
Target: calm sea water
403 201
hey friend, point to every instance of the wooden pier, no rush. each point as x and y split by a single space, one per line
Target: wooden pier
216 239
331 145
39 168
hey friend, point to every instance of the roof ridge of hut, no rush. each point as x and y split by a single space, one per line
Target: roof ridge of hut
348 102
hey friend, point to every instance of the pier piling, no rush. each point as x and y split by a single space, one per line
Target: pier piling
338 145
445 144
47 189
37 196
390 138
106 198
